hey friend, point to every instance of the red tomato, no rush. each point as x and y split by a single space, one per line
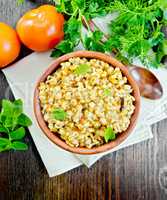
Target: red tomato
41 29
9 45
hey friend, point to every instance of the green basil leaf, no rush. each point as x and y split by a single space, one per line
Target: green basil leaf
24 120
109 134
59 114
82 69
19 146
17 134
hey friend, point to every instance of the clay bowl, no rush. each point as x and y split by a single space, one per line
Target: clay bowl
55 137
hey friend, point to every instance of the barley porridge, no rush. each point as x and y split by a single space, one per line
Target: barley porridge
86 102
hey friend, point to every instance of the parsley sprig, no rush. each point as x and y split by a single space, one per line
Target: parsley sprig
12 125
135 33
79 13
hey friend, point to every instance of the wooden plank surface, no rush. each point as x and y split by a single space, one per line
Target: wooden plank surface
137 172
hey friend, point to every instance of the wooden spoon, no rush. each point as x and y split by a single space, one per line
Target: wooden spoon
148 84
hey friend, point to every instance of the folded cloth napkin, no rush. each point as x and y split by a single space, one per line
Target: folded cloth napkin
22 77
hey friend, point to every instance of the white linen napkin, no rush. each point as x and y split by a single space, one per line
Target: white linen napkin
22 77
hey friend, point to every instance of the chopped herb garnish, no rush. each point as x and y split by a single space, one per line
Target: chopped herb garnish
107 92
20 2
109 134
82 69
12 123
59 114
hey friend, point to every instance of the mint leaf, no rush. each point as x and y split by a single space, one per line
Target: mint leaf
12 122
109 134
2 149
2 118
82 69
59 114
18 107
17 134
7 108
10 113
7 113
107 92
24 120
4 142
19 146
19 2
8 121
17 110
3 129
163 4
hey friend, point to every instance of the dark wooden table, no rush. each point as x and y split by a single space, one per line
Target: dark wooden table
137 172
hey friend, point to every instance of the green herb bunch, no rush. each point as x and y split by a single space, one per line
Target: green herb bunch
79 13
135 33
12 125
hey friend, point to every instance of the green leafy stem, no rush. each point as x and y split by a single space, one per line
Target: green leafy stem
12 125
135 33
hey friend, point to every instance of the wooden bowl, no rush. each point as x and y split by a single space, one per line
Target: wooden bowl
55 137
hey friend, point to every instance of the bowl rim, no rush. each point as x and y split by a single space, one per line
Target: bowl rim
56 139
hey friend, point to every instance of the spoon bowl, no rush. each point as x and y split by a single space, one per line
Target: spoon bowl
149 85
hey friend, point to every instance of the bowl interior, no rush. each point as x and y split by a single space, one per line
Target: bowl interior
55 138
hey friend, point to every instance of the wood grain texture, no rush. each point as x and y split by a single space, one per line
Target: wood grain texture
138 172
